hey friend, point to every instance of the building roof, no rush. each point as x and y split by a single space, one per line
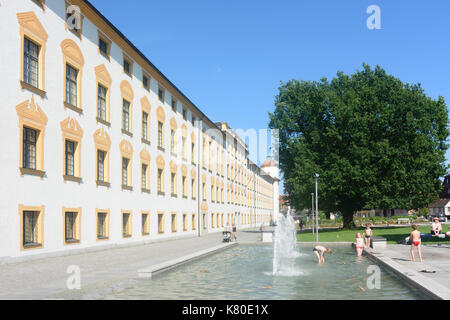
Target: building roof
269 163
133 47
440 203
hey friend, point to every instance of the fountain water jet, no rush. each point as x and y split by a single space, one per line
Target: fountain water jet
285 246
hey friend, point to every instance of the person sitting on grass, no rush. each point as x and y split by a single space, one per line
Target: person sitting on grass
416 242
368 233
436 227
359 244
320 252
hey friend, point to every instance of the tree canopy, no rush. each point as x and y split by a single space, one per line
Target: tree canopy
376 142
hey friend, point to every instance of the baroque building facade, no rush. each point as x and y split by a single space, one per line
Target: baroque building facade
100 148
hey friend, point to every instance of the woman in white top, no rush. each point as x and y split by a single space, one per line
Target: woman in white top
436 227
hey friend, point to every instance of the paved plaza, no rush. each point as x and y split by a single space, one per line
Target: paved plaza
433 274
101 271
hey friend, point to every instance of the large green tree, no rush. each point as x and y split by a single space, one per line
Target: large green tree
375 141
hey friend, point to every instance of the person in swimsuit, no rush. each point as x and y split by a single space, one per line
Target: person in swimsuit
368 235
320 251
359 244
416 243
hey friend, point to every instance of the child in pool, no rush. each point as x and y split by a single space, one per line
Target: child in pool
359 244
320 251
416 242
368 235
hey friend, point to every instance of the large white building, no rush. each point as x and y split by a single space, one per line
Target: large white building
99 148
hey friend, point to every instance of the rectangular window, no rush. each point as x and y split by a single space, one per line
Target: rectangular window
184 114
146 82
70 158
184 187
103 46
126 66
185 224
70 226
174 223
125 163
173 188
183 148
102 228
29 148
31 63
160 223
193 188
144 177
126 225
172 141
71 85
145 126
101 101
100 166
204 222
160 182
174 105
30 228
204 191
194 222
126 116
145 224
160 135
161 94
193 152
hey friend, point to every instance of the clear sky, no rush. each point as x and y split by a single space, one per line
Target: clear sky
229 56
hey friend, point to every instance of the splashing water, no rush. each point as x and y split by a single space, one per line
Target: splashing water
285 247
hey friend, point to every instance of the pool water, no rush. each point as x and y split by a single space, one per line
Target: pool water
245 272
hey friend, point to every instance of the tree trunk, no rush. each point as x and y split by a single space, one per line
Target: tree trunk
348 219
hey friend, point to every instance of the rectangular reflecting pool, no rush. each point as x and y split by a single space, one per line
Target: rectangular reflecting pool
244 272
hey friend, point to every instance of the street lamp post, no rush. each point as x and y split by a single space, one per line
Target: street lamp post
317 208
312 213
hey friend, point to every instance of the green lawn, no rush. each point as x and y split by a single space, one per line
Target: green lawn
392 234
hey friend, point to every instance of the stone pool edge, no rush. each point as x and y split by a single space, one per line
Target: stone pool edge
428 287
412 278
151 271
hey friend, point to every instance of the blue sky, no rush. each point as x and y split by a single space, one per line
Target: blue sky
229 56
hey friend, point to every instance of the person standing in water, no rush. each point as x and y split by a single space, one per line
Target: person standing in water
359 244
320 251
416 242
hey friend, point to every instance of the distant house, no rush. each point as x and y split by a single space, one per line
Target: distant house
440 207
